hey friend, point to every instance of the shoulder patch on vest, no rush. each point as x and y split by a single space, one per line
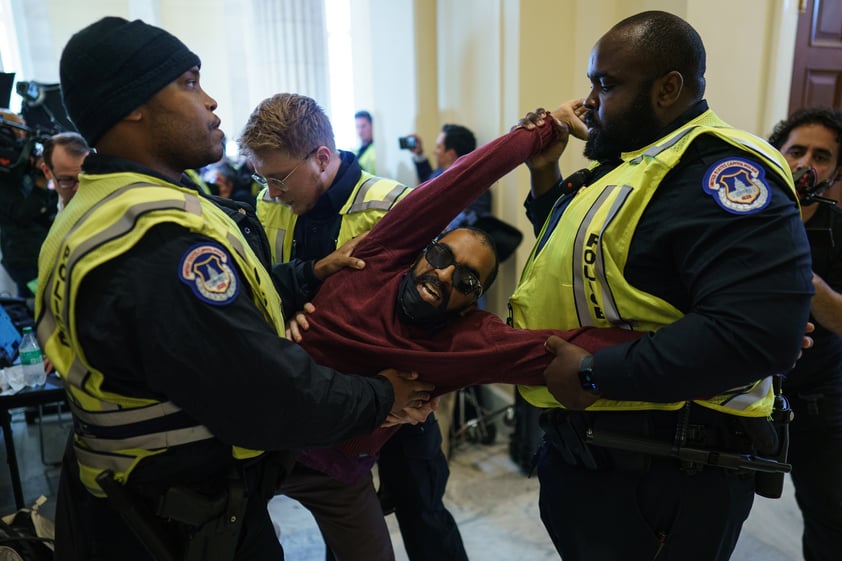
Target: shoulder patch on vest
737 185
207 269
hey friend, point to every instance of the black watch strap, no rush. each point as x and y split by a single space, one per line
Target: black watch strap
586 376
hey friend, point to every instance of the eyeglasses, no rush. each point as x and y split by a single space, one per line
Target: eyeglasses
465 280
66 181
281 183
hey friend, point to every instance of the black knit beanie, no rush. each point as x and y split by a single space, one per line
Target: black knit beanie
112 67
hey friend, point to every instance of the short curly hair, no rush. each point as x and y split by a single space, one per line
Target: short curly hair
824 116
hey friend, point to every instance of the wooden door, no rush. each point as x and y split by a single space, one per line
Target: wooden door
817 68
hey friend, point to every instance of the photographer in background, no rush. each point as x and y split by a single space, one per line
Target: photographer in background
62 163
452 142
27 206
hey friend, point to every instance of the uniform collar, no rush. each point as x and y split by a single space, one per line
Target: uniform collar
102 163
332 201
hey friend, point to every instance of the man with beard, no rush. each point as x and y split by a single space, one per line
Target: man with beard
685 228
420 310
810 141
316 198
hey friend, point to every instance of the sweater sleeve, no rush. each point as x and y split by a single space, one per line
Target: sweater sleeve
429 208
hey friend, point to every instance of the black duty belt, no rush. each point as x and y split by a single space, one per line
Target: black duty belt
695 436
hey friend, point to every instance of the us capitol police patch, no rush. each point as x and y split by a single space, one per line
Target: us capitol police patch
737 185
206 269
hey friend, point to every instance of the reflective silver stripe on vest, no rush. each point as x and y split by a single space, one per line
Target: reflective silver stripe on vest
237 245
608 303
152 441
360 204
657 149
116 463
278 242
119 228
744 399
123 416
113 415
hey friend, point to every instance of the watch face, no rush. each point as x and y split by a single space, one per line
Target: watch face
586 376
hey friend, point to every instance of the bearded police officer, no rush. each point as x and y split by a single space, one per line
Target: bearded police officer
687 228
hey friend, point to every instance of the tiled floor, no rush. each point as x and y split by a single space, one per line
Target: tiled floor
493 503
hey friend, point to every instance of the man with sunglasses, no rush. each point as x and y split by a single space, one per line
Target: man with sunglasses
417 308
316 198
63 156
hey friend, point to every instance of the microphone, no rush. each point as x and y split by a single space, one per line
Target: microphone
576 181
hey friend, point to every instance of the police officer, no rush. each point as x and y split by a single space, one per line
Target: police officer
811 139
688 229
316 198
159 313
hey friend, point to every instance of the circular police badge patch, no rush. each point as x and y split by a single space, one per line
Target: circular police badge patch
737 185
206 269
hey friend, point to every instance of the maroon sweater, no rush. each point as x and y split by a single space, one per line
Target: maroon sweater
356 327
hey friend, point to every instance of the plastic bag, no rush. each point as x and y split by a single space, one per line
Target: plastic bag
26 535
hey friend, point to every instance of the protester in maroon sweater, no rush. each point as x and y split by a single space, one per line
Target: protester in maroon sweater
357 324
420 321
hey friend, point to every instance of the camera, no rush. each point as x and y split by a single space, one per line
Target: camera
407 142
44 114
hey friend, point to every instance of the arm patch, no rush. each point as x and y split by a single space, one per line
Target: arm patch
207 269
737 185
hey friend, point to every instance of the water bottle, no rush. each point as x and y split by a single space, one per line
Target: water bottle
31 359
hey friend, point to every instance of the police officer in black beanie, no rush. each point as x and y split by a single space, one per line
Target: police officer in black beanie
162 318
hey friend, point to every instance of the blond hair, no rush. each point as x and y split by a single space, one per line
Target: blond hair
290 122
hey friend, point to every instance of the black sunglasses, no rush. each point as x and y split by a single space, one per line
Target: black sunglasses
465 280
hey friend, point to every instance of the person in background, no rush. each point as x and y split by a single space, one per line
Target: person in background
157 308
27 206
315 199
690 230
63 156
811 141
452 142
365 154
227 181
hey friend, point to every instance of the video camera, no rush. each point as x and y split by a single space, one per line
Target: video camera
44 114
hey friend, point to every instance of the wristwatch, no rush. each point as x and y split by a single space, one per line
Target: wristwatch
586 376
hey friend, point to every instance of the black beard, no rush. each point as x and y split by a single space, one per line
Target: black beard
637 128
415 310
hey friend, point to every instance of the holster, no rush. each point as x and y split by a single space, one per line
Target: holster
212 523
207 527
771 485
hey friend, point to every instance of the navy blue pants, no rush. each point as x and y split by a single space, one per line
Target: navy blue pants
413 471
615 515
89 529
815 452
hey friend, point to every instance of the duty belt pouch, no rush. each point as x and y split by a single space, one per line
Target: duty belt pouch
212 523
771 438
771 485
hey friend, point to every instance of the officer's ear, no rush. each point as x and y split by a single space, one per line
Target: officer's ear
668 89
135 115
